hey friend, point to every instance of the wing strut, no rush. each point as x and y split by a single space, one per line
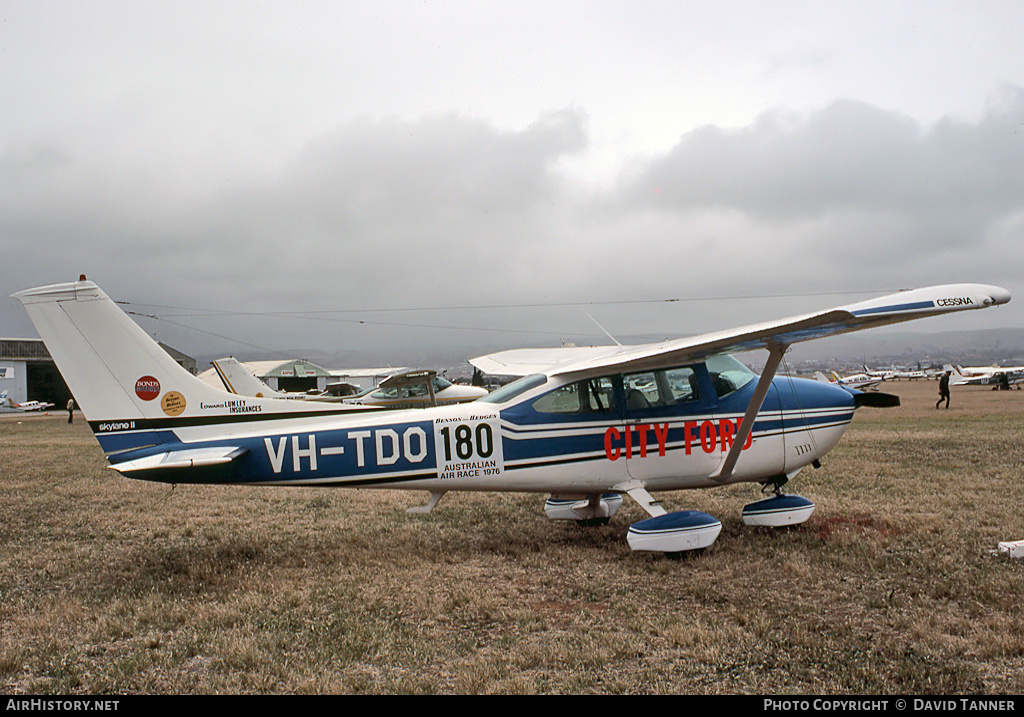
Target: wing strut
775 353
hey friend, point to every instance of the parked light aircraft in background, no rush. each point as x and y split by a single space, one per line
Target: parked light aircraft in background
238 379
902 374
416 389
984 375
406 389
895 373
585 425
10 405
859 381
884 374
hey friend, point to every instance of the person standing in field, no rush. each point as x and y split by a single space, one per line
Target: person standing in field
71 409
943 390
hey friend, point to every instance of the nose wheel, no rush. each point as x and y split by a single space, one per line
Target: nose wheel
774 484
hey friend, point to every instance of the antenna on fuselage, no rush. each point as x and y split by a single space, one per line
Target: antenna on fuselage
601 327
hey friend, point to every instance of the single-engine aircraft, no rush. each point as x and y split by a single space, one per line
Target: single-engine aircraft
859 381
238 379
586 425
416 389
406 389
9 404
984 375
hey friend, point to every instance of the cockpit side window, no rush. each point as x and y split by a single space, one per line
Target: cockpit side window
594 395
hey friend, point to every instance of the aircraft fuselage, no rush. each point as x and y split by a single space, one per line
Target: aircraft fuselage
673 434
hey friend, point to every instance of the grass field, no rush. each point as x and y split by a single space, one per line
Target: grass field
115 586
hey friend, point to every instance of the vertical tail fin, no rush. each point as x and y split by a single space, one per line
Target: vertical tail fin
240 380
114 369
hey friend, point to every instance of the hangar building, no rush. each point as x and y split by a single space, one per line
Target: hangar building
28 373
301 376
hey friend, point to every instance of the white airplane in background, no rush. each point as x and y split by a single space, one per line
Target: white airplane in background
238 379
416 389
902 374
578 426
859 381
885 374
984 375
407 389
10 405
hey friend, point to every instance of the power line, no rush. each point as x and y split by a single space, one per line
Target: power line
324 314
491 307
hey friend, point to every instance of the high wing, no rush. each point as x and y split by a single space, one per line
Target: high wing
416 389
882 311
775 336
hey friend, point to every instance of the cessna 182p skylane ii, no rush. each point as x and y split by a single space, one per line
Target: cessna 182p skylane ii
585 425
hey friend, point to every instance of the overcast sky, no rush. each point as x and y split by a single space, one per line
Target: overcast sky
294 168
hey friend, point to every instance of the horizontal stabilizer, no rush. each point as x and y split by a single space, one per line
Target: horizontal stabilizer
176 460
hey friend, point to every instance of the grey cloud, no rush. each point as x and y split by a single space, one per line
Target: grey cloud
849 154
439 164
436 211
849 196
447 211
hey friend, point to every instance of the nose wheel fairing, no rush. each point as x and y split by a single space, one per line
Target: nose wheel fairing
778 511
674 532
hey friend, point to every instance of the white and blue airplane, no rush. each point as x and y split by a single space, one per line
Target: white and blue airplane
859 381
585 425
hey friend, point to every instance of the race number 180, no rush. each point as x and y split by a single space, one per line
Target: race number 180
469 447
467 442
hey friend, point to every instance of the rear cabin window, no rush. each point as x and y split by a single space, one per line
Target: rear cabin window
660 388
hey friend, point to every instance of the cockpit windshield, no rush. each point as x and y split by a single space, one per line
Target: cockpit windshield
511 390
728 374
